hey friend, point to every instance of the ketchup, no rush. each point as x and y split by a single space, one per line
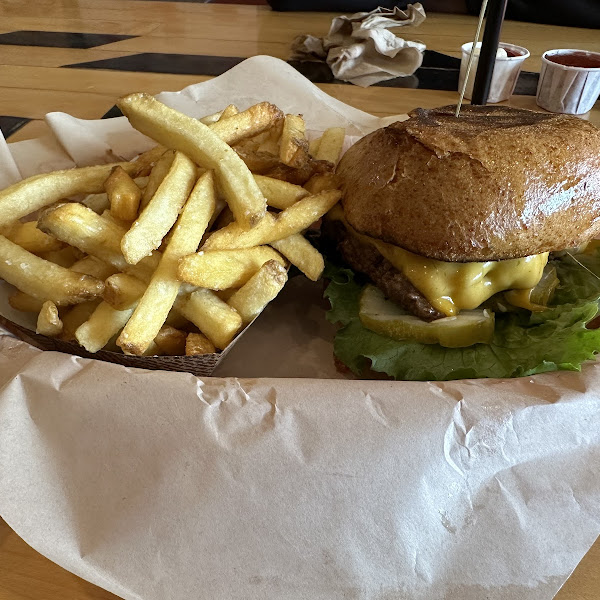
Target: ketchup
511 53
576 59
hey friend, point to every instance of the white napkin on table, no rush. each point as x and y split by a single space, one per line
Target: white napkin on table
361 50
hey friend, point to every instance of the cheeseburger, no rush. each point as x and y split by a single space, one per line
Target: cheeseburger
468 245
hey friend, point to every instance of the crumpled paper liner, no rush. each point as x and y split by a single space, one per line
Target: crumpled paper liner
163 486
360 49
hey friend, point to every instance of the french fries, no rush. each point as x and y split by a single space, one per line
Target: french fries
280 194
174 252
294 146
171 341
29 237
156 177
250 300
49 322
218 321
84 229
248 123
146 160
204 147
43 279
102 325
123 291
123 194
154 306
160 214
90 265
75 317
292 220
223 269
330 145
39 191
197 344
24 302
302 254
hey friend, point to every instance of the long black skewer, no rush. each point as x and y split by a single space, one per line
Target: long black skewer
489 47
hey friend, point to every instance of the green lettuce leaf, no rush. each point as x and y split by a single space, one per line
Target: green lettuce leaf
524 343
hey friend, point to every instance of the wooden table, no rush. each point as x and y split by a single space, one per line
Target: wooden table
32 84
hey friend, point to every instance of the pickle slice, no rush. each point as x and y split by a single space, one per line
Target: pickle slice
536 299
387 318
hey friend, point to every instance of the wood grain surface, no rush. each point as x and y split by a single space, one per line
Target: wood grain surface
32 84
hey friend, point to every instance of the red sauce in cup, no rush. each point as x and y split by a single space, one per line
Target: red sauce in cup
576 59
511 53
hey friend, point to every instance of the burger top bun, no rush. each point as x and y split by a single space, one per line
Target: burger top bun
495 183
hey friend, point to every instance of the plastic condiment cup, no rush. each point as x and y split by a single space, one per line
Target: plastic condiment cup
569 88
506 71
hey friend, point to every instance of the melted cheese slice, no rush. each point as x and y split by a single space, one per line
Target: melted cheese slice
451 287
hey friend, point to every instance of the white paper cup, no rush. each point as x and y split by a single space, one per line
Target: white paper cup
565 88
506 71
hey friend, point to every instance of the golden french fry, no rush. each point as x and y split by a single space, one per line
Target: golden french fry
213 118
224 219
331 144
28 236
197 344
176 319
146 160
25 302
104 323
246 124
75 316
280 194
222 269
39 191
158 173
313 147
250 300
123 194
123 291
42 279
218 321
125 225
204 147
171 341
162 211
269 141
293 148
233 236
301 253
292 220
161 293
81 227
48 322
97 202
226 294
229 111
90 265
321 182
258 162
301 174
65 257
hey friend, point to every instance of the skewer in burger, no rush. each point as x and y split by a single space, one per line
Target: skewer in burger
468 245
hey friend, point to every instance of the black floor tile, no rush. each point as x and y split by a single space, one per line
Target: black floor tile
9 125
60 39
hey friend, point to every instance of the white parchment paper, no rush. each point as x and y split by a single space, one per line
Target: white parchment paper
277 479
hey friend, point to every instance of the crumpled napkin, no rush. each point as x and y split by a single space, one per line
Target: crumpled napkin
361 50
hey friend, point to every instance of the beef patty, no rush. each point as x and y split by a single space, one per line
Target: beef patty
367 260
